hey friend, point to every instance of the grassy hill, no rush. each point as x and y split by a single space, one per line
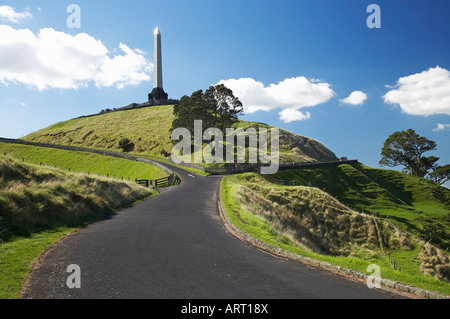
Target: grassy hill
309 221
149 130
40 205
416 205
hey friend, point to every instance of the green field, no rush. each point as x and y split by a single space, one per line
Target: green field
83 162
40 205
309 222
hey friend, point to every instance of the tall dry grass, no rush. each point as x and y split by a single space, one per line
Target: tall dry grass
309 217
435 262
33 198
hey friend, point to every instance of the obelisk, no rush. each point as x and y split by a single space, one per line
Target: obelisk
158 94
157 81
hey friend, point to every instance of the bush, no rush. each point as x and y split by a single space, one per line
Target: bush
124 144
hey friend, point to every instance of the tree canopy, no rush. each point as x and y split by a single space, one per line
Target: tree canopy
217 107
407 148
441 174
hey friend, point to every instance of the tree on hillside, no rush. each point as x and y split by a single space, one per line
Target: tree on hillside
441 174
407 148
192 108
224 106
217 107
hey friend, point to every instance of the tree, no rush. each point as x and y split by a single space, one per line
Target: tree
407 148
189 109
441 174
217 107
224 106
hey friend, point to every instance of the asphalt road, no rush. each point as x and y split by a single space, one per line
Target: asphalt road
174 246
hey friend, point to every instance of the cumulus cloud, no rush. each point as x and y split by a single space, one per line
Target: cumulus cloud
441 127
9 14
290 95
424 93
291 115
54 59
355 98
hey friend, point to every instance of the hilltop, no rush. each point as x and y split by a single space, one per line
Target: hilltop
148 129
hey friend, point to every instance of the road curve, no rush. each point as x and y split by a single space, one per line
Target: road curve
174 246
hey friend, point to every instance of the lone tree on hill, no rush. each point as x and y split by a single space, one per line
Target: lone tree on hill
407 148
217 107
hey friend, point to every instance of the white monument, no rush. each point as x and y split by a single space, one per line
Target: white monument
158 94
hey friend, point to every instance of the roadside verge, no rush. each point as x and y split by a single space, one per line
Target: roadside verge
399 287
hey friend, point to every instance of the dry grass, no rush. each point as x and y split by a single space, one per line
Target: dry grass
435 262
34 198
309 217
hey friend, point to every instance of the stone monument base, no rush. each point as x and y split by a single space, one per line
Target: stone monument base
158 94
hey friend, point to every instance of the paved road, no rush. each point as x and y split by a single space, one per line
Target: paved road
174 245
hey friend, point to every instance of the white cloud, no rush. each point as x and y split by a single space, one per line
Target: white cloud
9 14
424 93
355 98
291 115
54 59
441 127
289 95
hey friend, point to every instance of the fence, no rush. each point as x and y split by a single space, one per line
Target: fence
243 168
170 180
375 216
274 180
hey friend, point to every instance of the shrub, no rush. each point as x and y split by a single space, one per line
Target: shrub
124 144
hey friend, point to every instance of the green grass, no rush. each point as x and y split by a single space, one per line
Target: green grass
416 205
148 129
17 256
83 162
40 205
256 207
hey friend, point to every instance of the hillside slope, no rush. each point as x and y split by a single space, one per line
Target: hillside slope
308 221
417 205
149 131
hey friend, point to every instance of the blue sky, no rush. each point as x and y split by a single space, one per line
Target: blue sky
293 63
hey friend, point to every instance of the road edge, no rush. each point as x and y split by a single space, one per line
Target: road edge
392 285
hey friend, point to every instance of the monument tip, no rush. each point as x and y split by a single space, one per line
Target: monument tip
157 31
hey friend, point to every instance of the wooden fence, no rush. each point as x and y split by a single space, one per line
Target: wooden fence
170 180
